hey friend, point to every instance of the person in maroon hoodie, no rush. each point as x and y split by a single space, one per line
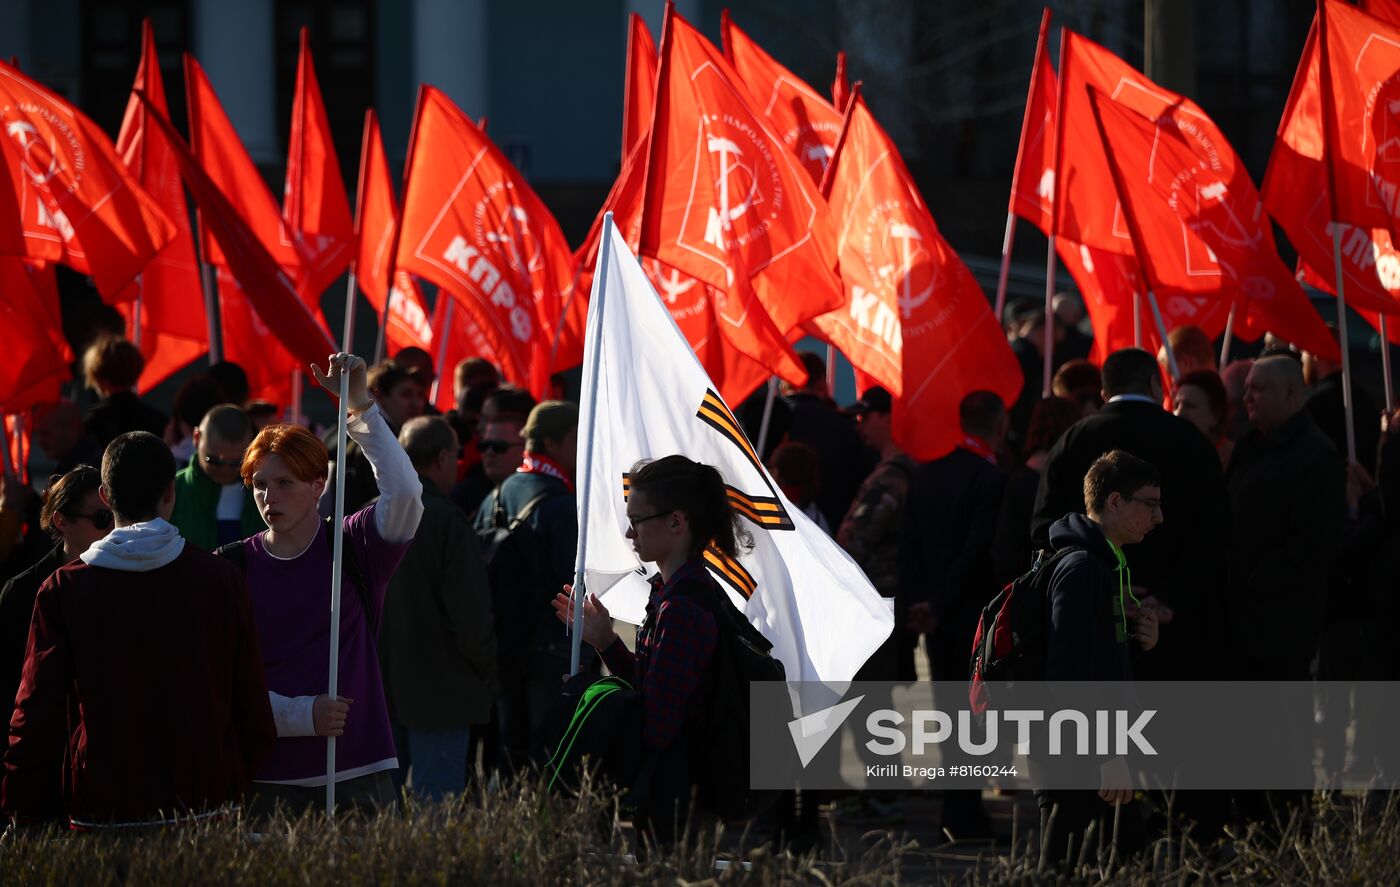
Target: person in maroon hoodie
143 676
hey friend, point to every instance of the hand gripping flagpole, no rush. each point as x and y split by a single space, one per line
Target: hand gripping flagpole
585 487
337 558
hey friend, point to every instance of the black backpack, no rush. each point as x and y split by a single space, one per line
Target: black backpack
235 554
1009 644
719 751
510 551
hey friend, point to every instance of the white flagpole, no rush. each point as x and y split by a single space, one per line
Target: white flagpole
445 333
296 398
384 322
1342 335
585 487
5 452
337 558
1137 319
831 371
20 449
1049 364
1006 241
1385 366
211 312
767 415
1162 332
345 342
136 313
1229 333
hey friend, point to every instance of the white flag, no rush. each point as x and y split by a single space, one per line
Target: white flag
650 398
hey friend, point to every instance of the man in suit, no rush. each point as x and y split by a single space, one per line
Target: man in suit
1179 569
946 564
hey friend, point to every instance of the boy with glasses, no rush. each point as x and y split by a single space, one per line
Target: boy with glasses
1094 619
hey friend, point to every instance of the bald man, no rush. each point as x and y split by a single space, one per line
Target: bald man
1287 487
212 505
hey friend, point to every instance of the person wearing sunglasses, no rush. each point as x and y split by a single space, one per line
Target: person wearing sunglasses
212 505
73 514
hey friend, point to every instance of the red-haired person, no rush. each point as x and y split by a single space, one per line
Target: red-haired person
289 571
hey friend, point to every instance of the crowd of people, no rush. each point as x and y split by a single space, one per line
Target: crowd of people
165 631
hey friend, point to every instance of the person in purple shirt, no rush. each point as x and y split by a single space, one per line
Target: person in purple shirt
289 571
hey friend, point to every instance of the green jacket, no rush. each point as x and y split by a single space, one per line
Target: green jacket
437 642
197 505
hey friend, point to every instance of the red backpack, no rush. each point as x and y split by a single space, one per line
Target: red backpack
1009 645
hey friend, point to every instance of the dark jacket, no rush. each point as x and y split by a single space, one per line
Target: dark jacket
945 559
1329 413
120 413
845 459
16 608
437 643
1087 638
1182 561
554 537
1288 503
149 685
197 506
1012 553
360 486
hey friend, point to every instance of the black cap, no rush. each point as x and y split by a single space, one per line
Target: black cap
874 400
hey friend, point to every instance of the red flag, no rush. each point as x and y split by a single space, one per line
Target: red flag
33 367
1199 222
268 288
639 91
249 343
378 217
173 329
840 87
1033 179
1082 177
808 124
464 337
733 336
315 209
917 323
225 163
1296 194
1361 56
66 196
723 203
474 227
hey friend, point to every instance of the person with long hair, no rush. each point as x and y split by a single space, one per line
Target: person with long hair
676 510
74 516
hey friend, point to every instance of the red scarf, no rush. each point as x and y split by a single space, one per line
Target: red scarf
539 463
978 446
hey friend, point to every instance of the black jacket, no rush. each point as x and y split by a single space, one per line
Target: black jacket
16 610
1087 638
1327 409
120 413
845 460
945 552
1288 502
1182 561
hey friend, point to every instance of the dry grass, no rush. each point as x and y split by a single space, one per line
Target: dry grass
522 836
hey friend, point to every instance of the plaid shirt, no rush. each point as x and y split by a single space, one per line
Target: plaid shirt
674 646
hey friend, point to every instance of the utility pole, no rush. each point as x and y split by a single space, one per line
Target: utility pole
1168 42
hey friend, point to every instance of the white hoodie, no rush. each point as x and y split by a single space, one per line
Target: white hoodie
137 548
